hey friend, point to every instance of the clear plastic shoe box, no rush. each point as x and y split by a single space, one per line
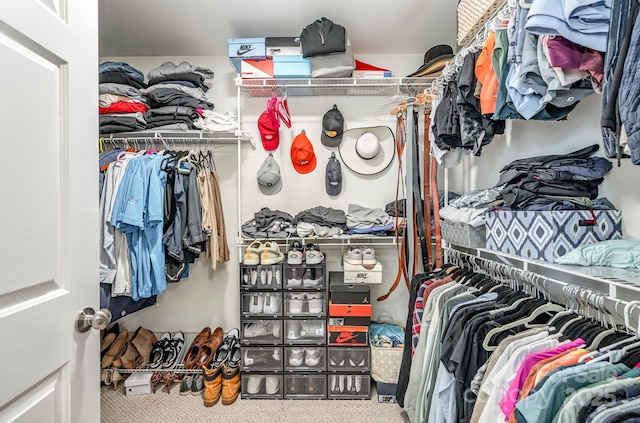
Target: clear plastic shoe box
349 359
305 358
255 332
261 386
305 386
262 359
261 303
312 331
349 386
261 277
304 277
302 303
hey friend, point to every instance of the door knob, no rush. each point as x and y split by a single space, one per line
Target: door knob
89 318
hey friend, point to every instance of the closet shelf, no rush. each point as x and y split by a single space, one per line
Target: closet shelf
618 283
332 86
193 136
337 241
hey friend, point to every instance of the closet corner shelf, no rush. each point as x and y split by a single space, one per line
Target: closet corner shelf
332 86
620 283
216 137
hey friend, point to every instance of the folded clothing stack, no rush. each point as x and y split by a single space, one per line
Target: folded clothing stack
121 103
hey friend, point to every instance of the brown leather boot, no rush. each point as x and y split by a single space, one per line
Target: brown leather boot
144 341
212 385
115 350
129 359
230 383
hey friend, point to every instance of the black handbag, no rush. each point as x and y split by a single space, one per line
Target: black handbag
323 37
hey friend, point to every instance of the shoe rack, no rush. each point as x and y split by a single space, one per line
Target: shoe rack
284 331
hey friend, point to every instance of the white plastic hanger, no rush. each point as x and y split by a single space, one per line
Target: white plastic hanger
615 355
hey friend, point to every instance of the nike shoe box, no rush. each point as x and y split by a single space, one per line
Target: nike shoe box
247 48
342 293
357 273
348 359
348 335
252 68
283 46
359 310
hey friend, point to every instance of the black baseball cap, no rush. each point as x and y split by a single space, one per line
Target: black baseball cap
332 127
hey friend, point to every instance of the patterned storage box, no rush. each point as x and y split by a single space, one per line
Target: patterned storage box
472 15
385 364
545 235
463 235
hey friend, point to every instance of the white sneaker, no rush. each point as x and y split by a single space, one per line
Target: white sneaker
296 356
254 330
369 258
312 357
253 383
256 304
271 304
274 328
353 256
309 281
313 329
296 277
296 301
313 255
272 384
254 276
315 302
293 330
279 277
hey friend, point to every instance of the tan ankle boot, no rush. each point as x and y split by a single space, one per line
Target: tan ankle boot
144 342
230 384
212 385
129 359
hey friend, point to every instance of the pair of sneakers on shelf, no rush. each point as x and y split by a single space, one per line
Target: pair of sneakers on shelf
314 302
300 277
263 253
310 357
339 357
262 329
267 276
365 257
262 384
310 254
304 329
347 384
264 303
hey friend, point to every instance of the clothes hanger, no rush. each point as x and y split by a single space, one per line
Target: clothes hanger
391 102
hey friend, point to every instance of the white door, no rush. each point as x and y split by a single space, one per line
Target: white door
48 210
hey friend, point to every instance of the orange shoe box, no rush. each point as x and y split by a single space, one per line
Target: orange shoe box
361 310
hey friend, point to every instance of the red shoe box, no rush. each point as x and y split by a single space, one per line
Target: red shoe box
348 335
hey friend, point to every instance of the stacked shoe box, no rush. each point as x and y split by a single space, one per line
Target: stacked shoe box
305 339
261 331
348 353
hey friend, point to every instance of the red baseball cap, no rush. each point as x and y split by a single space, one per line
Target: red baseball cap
302 156
269 131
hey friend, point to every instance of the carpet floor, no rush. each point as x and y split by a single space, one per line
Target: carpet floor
172 407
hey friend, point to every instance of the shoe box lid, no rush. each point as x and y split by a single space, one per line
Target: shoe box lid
363 310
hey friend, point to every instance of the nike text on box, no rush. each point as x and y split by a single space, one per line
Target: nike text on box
247 47
348 335
356 273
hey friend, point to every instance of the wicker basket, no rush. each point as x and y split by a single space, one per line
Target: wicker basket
464 235
471 15
385 364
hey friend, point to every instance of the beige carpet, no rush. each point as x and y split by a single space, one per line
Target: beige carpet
116 407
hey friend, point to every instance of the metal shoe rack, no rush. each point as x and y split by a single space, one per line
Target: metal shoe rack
284 348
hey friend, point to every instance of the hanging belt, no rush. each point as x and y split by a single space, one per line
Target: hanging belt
417 200
427 188
434 195
402 259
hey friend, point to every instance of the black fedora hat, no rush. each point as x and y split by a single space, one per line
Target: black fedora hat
435 59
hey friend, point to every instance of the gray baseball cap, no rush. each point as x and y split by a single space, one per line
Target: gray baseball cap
333 178
269 180
332 127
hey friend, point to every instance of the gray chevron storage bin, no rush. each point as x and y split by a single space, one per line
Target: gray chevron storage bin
546 235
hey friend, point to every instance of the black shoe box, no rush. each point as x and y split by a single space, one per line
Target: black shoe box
342 293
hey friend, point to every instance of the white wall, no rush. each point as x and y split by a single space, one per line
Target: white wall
533 138
211 298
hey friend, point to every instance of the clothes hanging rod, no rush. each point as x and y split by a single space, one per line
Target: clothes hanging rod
554 289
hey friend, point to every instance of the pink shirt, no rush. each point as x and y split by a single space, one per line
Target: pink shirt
510 398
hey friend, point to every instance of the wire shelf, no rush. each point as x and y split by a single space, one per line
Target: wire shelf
333 86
